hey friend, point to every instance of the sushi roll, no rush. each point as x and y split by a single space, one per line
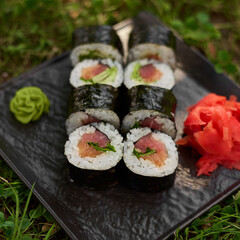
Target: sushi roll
151 107
93 103
96 42
93 152
150 159
148 72
103 71
152 42
151 119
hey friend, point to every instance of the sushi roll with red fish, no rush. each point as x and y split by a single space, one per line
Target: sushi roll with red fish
93 103
150 159
93 152
149 72
103 71
151 119
153 41
96 42
151 107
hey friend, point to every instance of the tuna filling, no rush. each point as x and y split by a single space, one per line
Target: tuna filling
88 150
151 149
147 73
151 122
99 73
89 119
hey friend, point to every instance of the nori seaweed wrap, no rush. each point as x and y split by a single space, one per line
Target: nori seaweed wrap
97 34
93 152
151 98
150 160
142 183
96 42
145 33
151 107
151 41
95 96
93 103
93 179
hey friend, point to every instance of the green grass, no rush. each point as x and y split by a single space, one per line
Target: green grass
221 222
33 31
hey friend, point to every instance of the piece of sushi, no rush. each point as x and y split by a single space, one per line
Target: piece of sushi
153 41
152 107
148 72
151 160
149 118
96 42
93 152
103 71
93 103
151 98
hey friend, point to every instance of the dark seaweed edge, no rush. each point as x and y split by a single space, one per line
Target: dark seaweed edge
141 183
152 98
94 179
94 96
104 34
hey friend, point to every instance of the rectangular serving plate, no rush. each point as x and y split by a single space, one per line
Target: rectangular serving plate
35 153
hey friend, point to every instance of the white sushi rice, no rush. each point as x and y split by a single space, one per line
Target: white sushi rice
130 119
166 54
104 161
104 49
75 76
167 79
76 119
145 167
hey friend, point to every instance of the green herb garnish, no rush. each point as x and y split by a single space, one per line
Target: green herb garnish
136 125
108 148
87 80
93 54
140 154
135 73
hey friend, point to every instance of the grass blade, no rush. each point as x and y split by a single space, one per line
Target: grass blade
24 212
49 232
17 207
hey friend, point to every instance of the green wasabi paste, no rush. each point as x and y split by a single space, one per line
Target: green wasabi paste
135 73
28 104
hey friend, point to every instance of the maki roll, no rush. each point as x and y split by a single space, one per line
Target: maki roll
152 42
96 42
93 152
93 103
149 72
151 119
150 159
103 71
151 107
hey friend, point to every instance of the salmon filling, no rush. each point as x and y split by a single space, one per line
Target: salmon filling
159 154
90 72
149 73
86 150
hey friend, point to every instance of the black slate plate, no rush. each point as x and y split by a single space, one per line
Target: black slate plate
35 152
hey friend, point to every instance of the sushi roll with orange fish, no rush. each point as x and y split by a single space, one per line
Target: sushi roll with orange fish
94 152
150 159
149 72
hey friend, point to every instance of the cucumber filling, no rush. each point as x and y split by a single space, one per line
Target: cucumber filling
104 77
93 54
